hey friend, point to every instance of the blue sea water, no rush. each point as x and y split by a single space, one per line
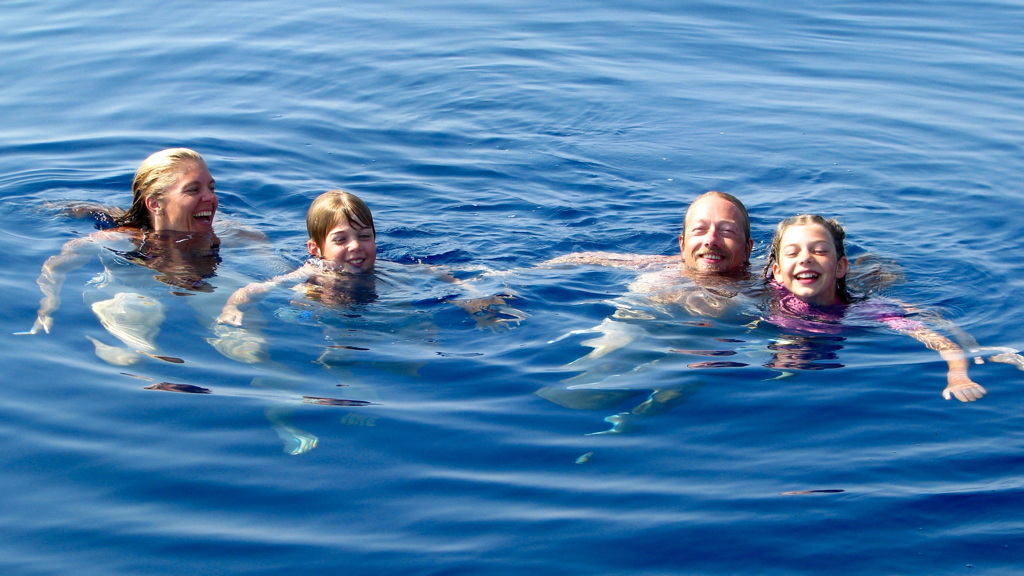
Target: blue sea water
488 138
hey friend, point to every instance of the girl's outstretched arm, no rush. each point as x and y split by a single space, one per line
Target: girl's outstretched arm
981 353
957 382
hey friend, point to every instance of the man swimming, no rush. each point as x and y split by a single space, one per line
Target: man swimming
711 270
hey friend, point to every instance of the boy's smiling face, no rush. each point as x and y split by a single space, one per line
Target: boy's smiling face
808 264
350 247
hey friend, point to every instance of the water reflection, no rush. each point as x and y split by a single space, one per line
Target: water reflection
182 260
805 353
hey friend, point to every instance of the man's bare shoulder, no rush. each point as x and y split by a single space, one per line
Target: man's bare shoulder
660 279
614 259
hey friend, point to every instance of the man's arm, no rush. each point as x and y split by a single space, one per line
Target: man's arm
613 259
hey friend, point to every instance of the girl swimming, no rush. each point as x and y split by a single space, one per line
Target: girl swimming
807 269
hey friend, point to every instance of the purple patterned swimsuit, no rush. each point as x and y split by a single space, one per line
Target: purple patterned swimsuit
793 314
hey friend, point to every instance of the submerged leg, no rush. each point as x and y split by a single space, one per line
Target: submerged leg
338 361
115 354
659 402
296 441
132 318
613 336
585 399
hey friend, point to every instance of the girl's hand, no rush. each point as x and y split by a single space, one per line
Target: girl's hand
963 388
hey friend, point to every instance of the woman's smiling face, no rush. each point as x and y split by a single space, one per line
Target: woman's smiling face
188 205
808 264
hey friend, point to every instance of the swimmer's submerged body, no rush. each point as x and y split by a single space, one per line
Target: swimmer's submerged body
363 308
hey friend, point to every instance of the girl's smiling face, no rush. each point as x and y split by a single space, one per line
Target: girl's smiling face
808 264
350 247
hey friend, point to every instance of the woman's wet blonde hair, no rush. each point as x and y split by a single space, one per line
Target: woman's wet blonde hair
835 229
155 175
330 207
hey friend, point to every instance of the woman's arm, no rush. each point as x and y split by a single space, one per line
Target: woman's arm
74 254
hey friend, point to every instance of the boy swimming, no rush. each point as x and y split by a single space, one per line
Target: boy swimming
364 309
342 248
342 239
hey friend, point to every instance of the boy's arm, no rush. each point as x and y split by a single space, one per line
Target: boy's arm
488 310
491 311
232 313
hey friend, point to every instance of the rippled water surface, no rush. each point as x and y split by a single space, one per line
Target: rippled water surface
488 138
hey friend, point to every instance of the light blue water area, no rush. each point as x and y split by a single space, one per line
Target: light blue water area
488 138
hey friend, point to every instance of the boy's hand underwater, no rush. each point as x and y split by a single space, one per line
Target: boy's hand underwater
239 344
492 312
230 315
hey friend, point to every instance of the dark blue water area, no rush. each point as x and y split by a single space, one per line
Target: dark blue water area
488 138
